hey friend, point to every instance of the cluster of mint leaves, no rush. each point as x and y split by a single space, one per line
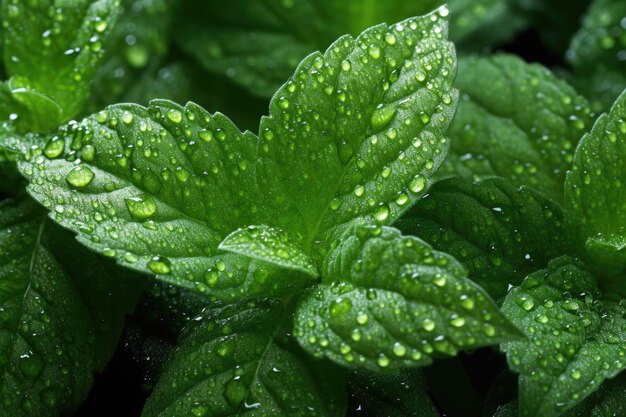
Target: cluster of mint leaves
398 204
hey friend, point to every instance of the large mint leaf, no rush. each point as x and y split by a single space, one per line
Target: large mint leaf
392 394
61 314
597 53
235 361
499 232
51 52
390 301
158 189
595 202
575 340
359 130
517 121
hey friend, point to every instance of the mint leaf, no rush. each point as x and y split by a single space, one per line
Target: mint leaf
269 245
56 328
575 340
607 401
390 301
371 114
158 189
137 46
259 44
235 361
499 232
392 394
595 204
108 292
475 24
519 120
596 53
51 53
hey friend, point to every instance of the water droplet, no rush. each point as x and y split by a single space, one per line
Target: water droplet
100 26
399 349
54 148
283 103
382 212
382 116
383 361
235 392
80 176
362 318
374 51
175 116
390 38
457 322
417 184
160 265
141 207
428 325
31 364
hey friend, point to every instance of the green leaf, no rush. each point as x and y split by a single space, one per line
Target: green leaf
391 301
518 120
596 53
269 245
235 361
499 232
370 114
574 339
158 189
259 44
595 203
608 401
56 328
392 394
475 24
137 44
108 292
51 52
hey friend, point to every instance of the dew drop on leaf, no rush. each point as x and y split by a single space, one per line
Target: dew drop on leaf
80 176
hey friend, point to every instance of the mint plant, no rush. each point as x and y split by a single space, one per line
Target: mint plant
399 216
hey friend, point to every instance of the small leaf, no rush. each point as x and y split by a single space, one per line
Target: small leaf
268 245
517 119
258 45
371 115
51 54
499 232
595 51
595 203
233 361
390 301
478 23
148 26
575 340
61 315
